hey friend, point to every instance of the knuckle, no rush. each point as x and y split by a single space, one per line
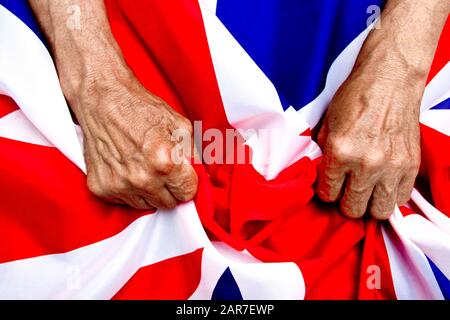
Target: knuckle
190 189
185 124
414 166
163 162
340 151
139 180
397 164
164 165
185 186
96 188
372 162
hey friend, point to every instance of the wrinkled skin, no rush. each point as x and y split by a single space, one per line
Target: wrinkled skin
127 130
370 135
371 148
129 151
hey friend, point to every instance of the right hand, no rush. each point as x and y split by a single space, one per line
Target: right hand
127 130
128 145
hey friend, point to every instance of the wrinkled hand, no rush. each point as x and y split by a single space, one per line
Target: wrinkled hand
371 143
370 135
128 146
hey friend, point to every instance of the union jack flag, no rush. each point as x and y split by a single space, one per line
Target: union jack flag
233 65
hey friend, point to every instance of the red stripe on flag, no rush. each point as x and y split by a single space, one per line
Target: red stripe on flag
436 162
46 207
139 57
7 105
306 133
173 35
376 281
175 279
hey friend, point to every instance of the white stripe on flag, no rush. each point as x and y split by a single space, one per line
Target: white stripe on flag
256 280
16 126
28 75
99 270
437 119
212 4
411 273
433 214
338 73
252 105
437 90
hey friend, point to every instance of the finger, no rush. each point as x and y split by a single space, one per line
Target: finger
355 199
384 198
115 200
405 188
330 180
180 179
137 202
161 199
182 182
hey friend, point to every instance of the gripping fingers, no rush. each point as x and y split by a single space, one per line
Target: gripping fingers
384 198
182 183
356 196
330 180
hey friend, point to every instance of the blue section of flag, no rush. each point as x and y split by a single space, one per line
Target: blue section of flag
444 105
226 288
295 42
444 283
22 10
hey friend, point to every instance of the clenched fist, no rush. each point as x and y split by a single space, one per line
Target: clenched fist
131 155
371 143
370 134
129 148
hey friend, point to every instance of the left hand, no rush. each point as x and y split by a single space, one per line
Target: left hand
370 135
371 143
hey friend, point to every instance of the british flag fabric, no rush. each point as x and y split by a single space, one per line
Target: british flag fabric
254 230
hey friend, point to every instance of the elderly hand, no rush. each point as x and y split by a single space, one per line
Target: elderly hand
370 135
371 143
130 152
129 146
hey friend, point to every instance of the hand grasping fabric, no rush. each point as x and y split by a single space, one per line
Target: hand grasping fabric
127 130
370 135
